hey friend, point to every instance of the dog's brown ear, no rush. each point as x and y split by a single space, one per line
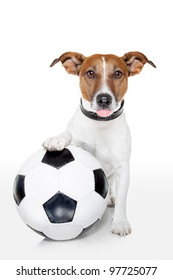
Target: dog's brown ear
135 62
71 61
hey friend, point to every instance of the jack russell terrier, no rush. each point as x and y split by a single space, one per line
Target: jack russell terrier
99 125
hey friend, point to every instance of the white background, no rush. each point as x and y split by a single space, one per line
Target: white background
37 101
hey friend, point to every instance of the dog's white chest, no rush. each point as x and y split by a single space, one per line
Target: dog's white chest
108 141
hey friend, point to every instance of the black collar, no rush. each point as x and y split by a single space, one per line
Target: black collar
95 117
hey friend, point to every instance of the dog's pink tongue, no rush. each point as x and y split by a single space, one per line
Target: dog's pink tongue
103 113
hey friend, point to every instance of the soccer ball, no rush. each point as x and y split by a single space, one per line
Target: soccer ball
61 194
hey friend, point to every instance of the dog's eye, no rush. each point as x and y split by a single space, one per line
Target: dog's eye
118 74
90 74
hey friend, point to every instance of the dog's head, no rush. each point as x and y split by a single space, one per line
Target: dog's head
103 78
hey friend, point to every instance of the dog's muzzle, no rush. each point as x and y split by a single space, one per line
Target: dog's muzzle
104 102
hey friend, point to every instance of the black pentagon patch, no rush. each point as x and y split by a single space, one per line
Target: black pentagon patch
60 208
19 188
58 159
37 231
101 184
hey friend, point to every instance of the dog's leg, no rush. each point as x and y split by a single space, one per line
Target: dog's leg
59 142
112 190
120 224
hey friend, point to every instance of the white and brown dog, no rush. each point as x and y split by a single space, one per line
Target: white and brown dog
99 125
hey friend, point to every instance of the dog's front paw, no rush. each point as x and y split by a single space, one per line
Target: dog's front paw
121 227
57 143
54 144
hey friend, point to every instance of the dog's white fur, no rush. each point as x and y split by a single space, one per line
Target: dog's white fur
109 141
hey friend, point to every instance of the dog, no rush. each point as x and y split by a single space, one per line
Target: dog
99 125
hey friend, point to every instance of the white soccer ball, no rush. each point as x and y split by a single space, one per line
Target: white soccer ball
60 194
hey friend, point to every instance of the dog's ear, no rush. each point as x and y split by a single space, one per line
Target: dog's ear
135 62
71 61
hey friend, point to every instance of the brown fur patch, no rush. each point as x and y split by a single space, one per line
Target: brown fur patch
90 86
95 63
117 86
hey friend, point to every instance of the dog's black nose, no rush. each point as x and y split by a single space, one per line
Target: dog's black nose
104 100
